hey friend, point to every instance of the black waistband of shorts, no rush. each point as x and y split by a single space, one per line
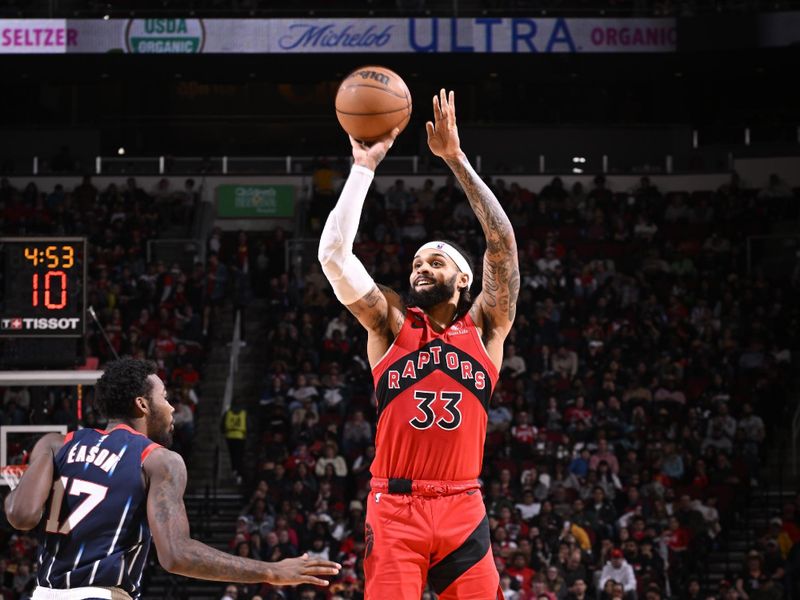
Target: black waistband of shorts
422 487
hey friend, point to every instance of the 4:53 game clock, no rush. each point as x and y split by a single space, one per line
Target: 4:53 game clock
44 287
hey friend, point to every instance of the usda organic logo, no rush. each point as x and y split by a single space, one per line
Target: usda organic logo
165 36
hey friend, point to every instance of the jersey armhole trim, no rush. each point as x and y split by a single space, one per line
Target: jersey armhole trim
68 438
146 452
489 362
391 347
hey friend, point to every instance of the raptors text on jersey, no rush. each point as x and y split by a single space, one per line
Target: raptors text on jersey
433 392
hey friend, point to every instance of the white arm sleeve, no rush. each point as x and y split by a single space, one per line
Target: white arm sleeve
348 277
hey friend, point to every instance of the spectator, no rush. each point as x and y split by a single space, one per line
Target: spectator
579 413
754 583
336 395
578 590
620 572
565 362
523 435
216 289
357 433
331 457
513 364
604 454
234 427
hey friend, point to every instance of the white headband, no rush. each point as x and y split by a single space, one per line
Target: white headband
454 254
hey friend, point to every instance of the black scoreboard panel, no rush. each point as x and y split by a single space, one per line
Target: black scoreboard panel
44 287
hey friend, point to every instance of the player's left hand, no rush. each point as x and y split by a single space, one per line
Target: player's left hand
442 132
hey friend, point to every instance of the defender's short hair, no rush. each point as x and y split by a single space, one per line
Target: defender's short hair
122 382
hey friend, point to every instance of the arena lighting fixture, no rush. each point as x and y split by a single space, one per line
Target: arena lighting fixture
579 159
106 17
121 151
577 171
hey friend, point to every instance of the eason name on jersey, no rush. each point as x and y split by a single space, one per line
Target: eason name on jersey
434 356
106 460
28 323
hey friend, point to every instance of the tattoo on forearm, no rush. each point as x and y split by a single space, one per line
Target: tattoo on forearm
501 279
199 560
209 563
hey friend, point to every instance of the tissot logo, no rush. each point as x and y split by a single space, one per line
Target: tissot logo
29 324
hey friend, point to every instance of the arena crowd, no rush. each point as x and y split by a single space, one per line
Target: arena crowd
644 375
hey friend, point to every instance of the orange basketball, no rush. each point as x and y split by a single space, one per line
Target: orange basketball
371 101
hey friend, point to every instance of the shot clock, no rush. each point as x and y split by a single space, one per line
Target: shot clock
44 287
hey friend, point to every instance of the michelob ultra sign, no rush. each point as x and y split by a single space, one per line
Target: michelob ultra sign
509 35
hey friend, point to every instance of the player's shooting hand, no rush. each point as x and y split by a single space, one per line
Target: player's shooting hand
442 132
296 571
371 155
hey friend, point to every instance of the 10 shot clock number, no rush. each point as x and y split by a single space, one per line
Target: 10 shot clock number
60 289
52 285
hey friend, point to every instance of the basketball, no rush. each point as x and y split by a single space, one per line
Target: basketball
371 101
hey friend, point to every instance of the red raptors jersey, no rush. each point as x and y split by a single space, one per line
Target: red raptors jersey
433 392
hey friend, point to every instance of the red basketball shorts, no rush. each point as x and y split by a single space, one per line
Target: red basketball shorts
437 533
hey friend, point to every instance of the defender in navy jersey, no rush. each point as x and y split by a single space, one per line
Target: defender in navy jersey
100 496
435 361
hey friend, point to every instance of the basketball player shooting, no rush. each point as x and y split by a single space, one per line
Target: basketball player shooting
435 362
111 492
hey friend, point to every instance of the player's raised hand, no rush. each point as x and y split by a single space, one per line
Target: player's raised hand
371 155
296 571
442 132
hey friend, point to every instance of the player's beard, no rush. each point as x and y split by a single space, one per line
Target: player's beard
163 430
436 294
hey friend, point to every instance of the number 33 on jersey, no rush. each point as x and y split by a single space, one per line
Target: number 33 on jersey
433 392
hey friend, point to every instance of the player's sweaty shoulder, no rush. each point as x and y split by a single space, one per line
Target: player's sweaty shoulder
52 442
163 464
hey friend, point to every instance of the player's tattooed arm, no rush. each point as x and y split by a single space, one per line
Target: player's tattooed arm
497 302
381 310
501 280
179 553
